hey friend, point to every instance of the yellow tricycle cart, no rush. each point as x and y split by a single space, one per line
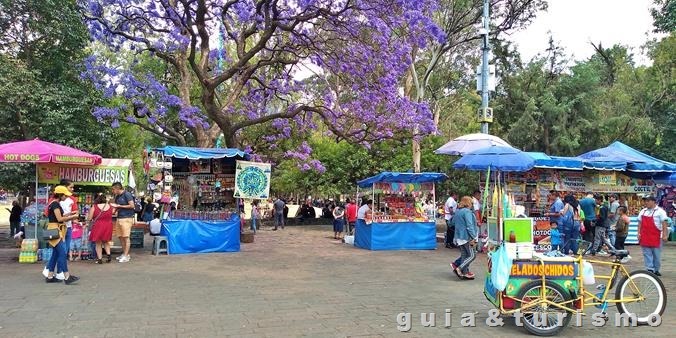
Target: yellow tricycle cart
547 292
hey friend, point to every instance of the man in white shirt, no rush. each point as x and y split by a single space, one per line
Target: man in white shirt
652 231
450 207
476 204
364 211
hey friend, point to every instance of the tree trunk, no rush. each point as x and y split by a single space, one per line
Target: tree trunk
408 92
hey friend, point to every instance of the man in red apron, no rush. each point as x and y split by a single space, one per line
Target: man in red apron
652 230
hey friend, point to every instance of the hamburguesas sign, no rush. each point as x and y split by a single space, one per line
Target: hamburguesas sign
96 175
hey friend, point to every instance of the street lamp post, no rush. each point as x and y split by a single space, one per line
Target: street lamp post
485 113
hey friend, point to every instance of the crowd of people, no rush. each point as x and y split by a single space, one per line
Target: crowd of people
67 230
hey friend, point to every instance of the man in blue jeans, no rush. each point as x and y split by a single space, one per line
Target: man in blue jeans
278 207
588 206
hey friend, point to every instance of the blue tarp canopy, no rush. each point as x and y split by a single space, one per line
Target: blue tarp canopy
394 177
666 179
202 153
496 158
634 160
543 160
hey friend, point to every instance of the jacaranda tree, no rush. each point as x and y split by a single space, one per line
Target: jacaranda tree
228 66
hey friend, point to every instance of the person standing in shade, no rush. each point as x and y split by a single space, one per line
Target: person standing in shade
450 207
555 209
476 205
14 219
101 216
601 227
466 237
56 220
278 211
612 218
588 206
338 221
255 216
364 212
622 230
124 205
351 215
652 231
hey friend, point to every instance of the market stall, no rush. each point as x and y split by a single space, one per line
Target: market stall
199 190
41 152
89 180
397 223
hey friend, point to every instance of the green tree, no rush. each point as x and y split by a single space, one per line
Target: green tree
664 14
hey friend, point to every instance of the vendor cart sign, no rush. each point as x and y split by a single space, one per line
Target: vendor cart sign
553 270
607 179
97 175
252 180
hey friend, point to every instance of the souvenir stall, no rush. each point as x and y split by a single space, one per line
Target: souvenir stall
617 169
197 191
398 221
666 197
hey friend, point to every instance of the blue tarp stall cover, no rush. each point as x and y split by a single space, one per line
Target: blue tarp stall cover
202 153
193 236
634 160
666 179
397 235
394 177
545 161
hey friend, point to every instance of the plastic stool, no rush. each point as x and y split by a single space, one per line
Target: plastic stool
157 245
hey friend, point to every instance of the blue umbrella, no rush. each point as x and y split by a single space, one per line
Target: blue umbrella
496 158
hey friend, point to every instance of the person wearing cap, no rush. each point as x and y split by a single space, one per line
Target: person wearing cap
56 221
652 230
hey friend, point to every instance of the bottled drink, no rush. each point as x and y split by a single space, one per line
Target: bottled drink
512 237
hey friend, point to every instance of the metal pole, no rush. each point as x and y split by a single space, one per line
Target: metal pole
484 64
37 212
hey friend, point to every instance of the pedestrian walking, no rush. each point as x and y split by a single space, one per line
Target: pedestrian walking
601 227
57 222
466 237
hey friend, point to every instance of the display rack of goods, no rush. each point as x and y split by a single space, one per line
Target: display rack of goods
29 251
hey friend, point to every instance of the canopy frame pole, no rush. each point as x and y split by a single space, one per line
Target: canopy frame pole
373 194
36 202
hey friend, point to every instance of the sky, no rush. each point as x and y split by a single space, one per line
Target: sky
576 23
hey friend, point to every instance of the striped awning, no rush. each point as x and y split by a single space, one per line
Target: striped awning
115 162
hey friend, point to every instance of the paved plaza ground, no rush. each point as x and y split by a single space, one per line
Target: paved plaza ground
296 282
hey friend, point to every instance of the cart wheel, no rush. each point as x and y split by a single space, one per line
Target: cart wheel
645 284
543 319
